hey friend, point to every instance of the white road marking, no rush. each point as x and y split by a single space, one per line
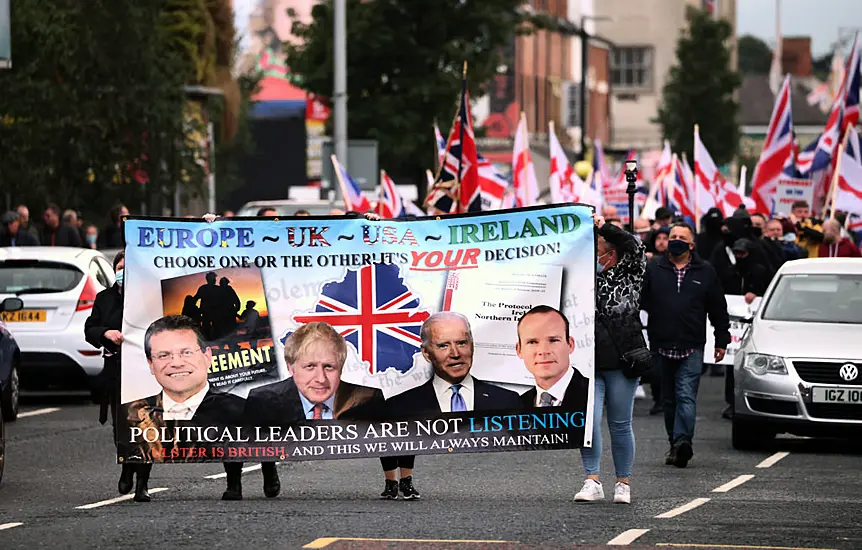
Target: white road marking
733 483
116 500
37 412
772 460
224 474
683 509
10 525
628 537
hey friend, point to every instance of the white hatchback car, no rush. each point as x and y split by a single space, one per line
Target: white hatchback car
58 286
799 367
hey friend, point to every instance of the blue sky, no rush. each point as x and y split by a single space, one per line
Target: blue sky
820 19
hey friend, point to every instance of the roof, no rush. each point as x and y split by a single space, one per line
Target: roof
831 266
756 101
55 253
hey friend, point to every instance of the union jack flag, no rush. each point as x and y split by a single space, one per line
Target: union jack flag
458 176
777 152
375 311
390 205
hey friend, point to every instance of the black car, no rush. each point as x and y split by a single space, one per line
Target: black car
9 357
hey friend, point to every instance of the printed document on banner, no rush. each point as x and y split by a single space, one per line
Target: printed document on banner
494 305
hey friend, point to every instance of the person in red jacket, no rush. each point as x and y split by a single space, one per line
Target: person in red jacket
834 245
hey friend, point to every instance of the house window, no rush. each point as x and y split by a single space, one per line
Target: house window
631 67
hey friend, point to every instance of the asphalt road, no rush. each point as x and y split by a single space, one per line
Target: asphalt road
61 459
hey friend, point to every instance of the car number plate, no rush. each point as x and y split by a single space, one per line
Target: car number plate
25 316
837 395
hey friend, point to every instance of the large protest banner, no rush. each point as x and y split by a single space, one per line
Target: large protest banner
301 338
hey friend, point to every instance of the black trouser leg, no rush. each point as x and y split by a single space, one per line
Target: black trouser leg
234 481
142 493
271 484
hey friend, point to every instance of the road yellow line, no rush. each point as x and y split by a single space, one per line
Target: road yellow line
323 542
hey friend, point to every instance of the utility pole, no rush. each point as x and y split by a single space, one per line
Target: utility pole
339 94
583 106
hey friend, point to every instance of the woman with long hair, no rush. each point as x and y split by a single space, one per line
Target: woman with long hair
620 267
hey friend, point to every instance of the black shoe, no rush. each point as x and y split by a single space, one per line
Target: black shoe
727 413
391 490
407 490
658 408
127 479
234 484
683 453
271 484
670 457
142 494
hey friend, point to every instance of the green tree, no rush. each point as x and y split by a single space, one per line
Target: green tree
95 110
755 55
700 90
404 66
93 105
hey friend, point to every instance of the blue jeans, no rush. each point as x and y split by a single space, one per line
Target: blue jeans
618 393
680 380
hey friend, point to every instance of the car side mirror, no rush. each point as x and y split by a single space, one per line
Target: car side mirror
12 304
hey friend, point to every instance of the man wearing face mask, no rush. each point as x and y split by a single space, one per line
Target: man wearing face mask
743 277
739 226
711 236
679 291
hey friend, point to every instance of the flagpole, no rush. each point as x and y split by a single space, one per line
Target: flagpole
696 185
336 165
834 187
436 147
380 193
461 136
550 157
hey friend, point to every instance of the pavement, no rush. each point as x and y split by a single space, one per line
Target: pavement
59 491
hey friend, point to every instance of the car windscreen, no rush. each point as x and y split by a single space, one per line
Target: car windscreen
288 210
37 277
821 298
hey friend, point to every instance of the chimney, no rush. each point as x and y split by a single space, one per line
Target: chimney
796 55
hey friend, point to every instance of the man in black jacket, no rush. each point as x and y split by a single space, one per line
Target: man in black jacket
55 233
679 291
11 233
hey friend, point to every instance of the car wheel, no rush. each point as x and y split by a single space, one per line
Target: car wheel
746 437
11 396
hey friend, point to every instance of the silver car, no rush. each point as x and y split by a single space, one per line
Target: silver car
799 367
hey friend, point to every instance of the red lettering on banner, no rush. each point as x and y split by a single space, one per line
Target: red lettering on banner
445 261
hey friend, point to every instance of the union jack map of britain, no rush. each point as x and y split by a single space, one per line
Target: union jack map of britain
332 337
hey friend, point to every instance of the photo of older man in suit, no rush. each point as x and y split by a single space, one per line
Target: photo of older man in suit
447 343
544 344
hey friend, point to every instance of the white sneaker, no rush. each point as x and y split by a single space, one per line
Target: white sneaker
640 393
591 491
622 493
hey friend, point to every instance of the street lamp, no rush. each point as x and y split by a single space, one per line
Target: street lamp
585 47
631 180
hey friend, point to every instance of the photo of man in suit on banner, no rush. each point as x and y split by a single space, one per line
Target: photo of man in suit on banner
544 344
179 359
447 343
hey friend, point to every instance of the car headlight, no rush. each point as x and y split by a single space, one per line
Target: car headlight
760 364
